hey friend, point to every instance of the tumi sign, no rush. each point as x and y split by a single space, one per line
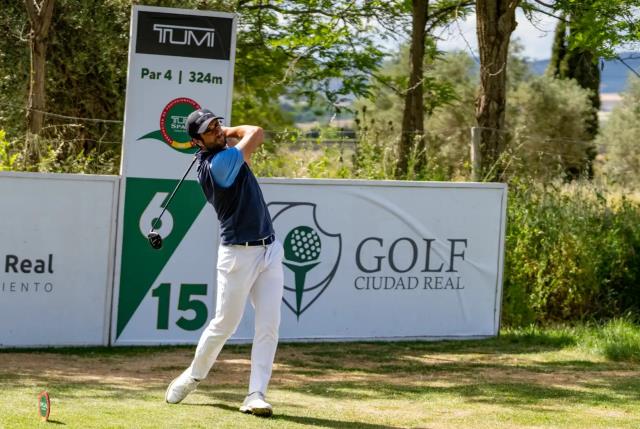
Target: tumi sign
183 35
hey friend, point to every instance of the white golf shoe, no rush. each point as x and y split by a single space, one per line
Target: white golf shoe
255 404
180 387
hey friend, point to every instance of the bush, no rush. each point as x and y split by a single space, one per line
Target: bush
8 156
572 253
57 155
548 119
620 136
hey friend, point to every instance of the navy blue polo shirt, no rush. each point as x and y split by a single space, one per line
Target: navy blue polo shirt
232 189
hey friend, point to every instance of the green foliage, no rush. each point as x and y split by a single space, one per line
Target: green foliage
620 136
14 67
289 154
57 155
8 156
572 253
449 90
548 119
296 48
616 340
597 26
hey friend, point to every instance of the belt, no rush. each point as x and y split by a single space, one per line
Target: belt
262 242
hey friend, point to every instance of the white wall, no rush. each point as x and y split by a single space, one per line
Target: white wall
57 236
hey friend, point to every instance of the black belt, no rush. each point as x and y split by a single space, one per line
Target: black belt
262 242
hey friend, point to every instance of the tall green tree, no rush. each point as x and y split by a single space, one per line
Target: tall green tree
582 65
588 30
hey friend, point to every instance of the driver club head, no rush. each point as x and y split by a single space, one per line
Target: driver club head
155 240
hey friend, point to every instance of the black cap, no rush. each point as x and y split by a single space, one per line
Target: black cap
198 122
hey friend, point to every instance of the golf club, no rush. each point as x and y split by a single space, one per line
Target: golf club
154 238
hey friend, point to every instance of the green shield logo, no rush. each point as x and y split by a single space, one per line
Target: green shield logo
311 254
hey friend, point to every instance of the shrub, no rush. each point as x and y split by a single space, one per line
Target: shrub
548 120
620 136
572 253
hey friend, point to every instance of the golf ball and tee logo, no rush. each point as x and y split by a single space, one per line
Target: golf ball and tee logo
309 269
301 251
173 121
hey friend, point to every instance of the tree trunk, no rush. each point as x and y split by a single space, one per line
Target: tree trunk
413 115
40 19
36 85
496 20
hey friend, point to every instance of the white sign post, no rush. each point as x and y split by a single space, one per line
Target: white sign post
179 60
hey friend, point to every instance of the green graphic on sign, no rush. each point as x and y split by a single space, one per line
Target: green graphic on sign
311 254
140 263
173 120
301 250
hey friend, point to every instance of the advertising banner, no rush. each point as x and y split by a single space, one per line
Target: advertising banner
363 260
179 60
389 259
56 253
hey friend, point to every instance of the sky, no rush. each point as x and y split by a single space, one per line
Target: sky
536 37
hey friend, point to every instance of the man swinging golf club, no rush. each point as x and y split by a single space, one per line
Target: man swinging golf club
249 258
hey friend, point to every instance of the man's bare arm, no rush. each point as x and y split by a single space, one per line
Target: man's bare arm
247 138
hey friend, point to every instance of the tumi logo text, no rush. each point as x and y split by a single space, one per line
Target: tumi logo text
185 36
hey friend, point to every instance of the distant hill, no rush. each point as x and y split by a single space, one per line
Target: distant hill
614 73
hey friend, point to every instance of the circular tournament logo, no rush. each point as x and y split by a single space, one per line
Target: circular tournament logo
173 123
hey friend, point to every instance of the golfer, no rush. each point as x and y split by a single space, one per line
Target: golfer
249 257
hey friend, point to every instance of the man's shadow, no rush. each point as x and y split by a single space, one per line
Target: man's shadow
312 421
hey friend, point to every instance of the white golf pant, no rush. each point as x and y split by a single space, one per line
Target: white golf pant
255 272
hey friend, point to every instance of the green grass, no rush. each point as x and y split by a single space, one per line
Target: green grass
566 377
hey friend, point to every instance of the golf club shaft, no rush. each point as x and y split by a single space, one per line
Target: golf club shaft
155 222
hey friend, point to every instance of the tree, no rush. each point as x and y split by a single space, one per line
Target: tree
495 22
423 21
413 117
40 20
302 48
449 86
599 26
580 64
588 30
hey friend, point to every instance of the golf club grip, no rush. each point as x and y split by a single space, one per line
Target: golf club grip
153 226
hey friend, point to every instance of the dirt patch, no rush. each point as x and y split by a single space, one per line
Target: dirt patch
297 368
